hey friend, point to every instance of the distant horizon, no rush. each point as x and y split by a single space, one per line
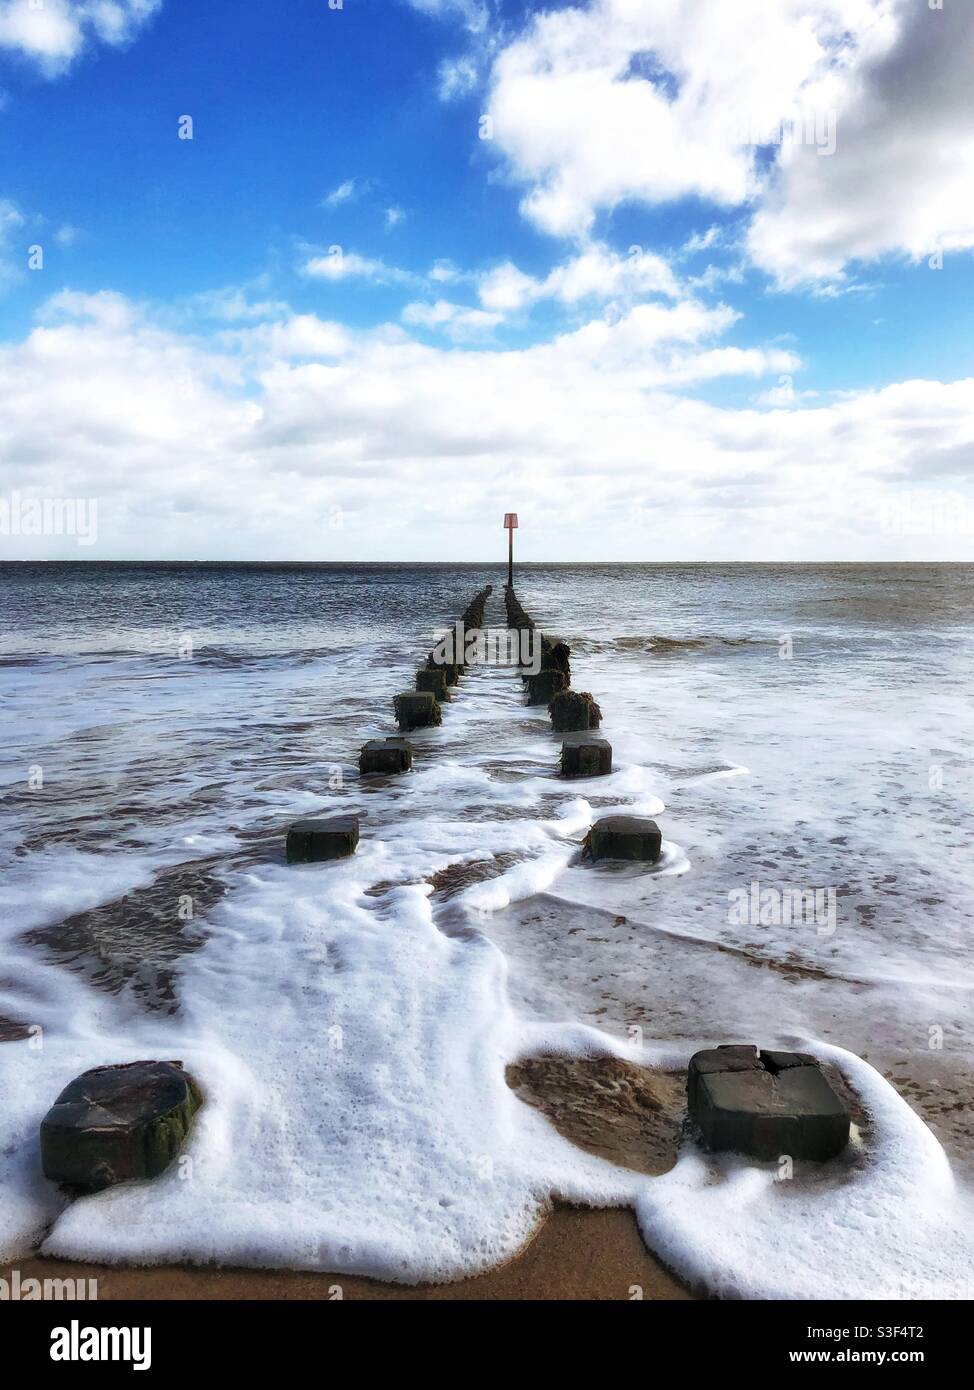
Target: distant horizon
498 564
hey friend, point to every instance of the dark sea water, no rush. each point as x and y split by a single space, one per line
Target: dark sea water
798 729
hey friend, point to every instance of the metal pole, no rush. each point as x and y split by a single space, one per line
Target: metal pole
510 523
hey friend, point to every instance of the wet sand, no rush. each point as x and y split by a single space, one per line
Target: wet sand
577 1254
629 1115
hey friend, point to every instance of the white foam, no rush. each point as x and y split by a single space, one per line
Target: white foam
366 1124
893 1225
353 1054
51 884
523 881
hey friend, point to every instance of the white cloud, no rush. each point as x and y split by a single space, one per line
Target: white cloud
339 264
348 192
596 273
456 320
11 221
473 13
655 345
279 416
457 77
601 274
104 310
784 395
656 102
861 110
54 33
196 450
716 275
232 303
444 271
393 216
901 178
294 335
506 289
702 241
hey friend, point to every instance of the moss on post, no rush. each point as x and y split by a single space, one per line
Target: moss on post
574 710
546 684
315 841
586 757
389 756
433 679
118 1123
625 837
417 709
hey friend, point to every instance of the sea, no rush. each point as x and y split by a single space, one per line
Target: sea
803 734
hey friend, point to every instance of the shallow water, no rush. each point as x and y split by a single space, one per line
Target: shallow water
794 727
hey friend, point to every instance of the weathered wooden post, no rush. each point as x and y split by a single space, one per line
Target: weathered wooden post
510 522
118 1123
766 1103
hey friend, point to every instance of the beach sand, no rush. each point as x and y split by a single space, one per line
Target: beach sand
577 1254
627 1114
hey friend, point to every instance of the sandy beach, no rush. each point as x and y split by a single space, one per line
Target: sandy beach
408 1057
577 1254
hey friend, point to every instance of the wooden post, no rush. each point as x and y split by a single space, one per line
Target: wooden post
510 522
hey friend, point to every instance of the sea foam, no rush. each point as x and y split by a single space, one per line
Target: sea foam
350 1025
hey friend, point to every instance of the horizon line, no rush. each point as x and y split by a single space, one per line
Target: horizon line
461 564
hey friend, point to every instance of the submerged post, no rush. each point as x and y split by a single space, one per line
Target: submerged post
510 522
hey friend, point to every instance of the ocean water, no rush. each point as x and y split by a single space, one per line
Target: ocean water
795 729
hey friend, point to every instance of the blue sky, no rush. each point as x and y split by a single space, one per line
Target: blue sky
578 282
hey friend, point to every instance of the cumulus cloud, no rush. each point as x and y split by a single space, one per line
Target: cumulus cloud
506 289
454 319
623 100
596 279
291 336
784 394
596 273
55 33
844 127
228 424
245 444
901 178
656 345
